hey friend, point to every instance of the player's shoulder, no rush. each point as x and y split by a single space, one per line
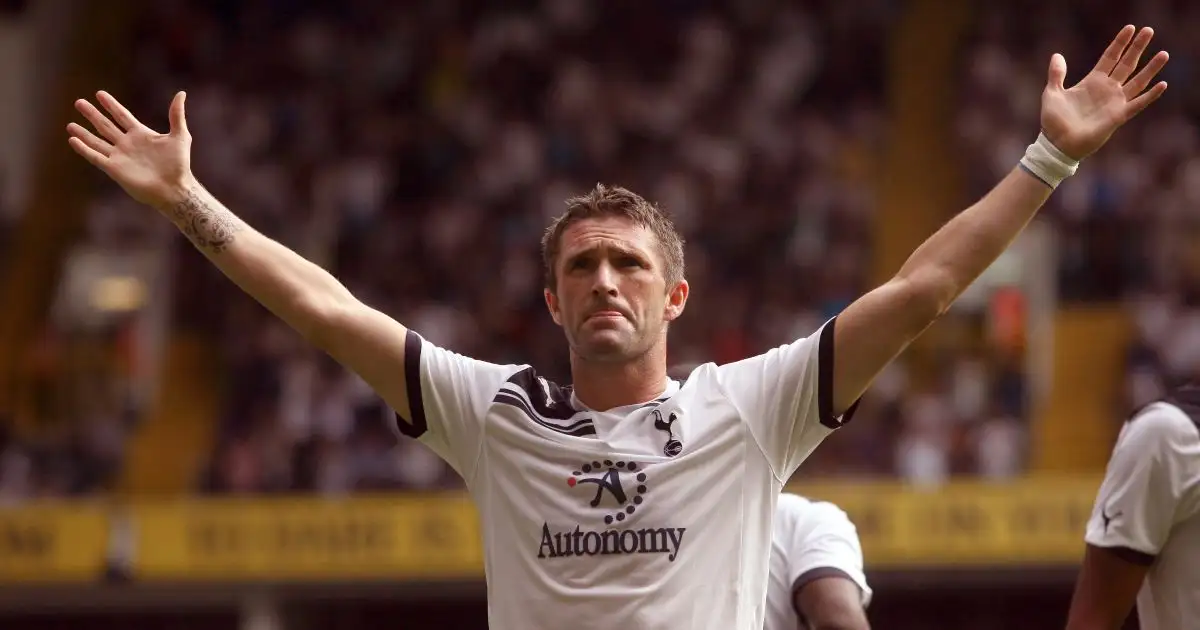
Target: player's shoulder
1161 425
699 380
432 355
792 503
821 335
801 511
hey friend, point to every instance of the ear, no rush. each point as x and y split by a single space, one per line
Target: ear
676 300
552 306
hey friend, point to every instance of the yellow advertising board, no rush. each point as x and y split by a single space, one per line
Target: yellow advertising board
52 543
1035 522
309 539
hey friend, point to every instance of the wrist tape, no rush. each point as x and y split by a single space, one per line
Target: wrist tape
1044 161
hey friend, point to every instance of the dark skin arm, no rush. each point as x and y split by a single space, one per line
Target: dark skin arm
831 603
1106 590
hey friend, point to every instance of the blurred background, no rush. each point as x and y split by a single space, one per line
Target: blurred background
170 456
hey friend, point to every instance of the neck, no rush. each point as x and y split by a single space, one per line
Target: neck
603 386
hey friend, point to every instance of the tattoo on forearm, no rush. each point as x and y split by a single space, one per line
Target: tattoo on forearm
210 229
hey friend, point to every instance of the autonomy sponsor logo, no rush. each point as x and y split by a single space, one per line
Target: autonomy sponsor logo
620 489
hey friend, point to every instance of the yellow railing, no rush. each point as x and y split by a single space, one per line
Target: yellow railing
406 537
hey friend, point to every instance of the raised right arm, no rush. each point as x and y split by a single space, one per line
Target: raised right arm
440 396
302 294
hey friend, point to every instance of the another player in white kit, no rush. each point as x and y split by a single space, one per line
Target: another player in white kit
1143 540
626 500
816 577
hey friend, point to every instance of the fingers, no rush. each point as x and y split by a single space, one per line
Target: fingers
117 110
99 121
88 153
1058 71
178 120
90 140
1112 54
1138 83
1133 55
1135 107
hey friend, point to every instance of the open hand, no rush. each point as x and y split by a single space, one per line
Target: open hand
1080 119
152 167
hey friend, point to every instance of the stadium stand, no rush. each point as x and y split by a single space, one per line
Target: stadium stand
366 182
388 176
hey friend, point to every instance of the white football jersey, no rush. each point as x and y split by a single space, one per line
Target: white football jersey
651 516
812 540
1148 508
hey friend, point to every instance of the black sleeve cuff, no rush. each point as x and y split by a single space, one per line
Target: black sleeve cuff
825 346
1132 556
810 576
416 426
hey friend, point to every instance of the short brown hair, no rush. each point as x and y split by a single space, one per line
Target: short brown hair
604 201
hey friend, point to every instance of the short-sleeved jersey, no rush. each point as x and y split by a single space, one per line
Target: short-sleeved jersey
651 516
1148 509
812 540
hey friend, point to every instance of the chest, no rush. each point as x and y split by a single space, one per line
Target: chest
687 427
650 464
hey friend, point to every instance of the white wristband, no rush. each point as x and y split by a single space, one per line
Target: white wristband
1044 161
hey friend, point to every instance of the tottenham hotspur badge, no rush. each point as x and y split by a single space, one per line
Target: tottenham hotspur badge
673 446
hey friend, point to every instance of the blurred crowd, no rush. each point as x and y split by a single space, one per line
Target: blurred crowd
417 151
67 431
436 143
1128 224
80 392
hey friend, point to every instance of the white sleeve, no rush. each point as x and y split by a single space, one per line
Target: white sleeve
821 542
1139 499
448 395
786 397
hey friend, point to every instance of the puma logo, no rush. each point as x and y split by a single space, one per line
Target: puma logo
1108 519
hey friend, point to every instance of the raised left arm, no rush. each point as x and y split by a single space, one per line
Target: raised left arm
1076 122
877 327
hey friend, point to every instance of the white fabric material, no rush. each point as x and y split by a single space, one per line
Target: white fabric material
1150 503
1047 163
651 516
809 535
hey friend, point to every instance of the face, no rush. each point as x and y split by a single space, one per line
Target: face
612 299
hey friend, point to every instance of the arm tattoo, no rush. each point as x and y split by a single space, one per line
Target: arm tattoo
210 229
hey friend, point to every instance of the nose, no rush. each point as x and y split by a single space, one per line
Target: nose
605 280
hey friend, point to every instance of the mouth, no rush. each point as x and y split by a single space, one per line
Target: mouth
607 314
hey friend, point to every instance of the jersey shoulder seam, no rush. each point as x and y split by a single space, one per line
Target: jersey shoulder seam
486 424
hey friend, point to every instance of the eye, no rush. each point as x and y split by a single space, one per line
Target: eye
628 261
578 264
